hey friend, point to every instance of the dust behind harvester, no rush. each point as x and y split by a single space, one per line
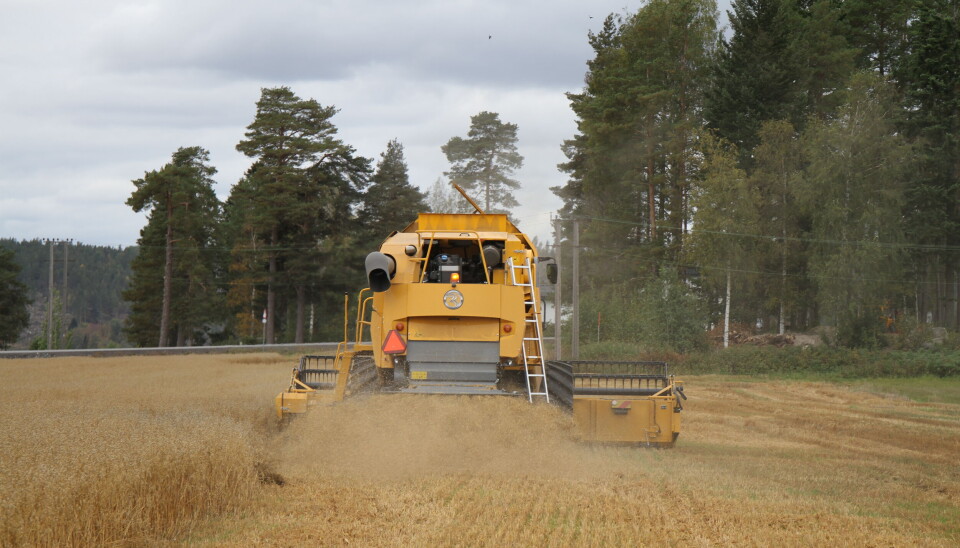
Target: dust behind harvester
453 307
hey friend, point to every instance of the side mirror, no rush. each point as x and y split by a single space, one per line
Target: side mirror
552 272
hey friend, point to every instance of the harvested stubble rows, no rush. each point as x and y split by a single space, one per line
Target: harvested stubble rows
182 450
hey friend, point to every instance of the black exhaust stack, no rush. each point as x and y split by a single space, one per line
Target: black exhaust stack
380 268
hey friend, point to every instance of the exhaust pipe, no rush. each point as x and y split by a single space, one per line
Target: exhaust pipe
380 268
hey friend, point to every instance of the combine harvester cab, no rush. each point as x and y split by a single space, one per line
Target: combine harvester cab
453 307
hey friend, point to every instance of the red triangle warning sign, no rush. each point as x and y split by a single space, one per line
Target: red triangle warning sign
394 343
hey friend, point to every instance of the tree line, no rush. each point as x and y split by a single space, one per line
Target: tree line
269 264
801 169
272 262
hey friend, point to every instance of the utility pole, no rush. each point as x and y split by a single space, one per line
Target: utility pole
557 301
52 242
575 331
63 292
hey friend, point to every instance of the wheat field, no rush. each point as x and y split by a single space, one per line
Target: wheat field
164 451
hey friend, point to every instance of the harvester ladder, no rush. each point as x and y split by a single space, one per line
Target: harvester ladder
534 354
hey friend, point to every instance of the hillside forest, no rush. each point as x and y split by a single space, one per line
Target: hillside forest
797 170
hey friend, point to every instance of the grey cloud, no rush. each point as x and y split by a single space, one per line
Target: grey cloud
96 93
515 43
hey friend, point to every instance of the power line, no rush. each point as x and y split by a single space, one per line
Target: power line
864 243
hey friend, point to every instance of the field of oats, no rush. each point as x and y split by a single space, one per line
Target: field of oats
183 450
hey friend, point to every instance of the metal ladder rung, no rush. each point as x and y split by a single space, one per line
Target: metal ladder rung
538 336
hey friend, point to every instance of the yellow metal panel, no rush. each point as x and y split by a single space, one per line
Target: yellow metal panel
513 313
454 329
291 403
427 299
491 222
625 420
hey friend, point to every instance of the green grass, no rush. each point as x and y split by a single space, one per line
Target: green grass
817 363
925 389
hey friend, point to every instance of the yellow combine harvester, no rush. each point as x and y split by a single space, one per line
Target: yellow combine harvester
453 307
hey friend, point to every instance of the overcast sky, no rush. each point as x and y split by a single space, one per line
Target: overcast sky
95 93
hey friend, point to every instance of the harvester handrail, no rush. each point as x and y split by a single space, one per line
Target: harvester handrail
362 313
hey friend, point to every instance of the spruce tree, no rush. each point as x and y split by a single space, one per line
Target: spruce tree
929 77
823 60
391 202
878 29
756 73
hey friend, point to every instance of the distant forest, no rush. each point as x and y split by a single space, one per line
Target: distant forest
89 309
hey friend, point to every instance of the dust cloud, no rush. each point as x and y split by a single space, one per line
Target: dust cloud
416 436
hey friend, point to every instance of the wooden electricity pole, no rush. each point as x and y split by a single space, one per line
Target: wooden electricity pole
575 328
557 301
52 242
63 292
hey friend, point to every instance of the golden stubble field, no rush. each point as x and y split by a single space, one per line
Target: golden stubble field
180 450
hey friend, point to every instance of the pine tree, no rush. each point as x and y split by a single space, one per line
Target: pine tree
13 300
305 182
485 161
184 208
